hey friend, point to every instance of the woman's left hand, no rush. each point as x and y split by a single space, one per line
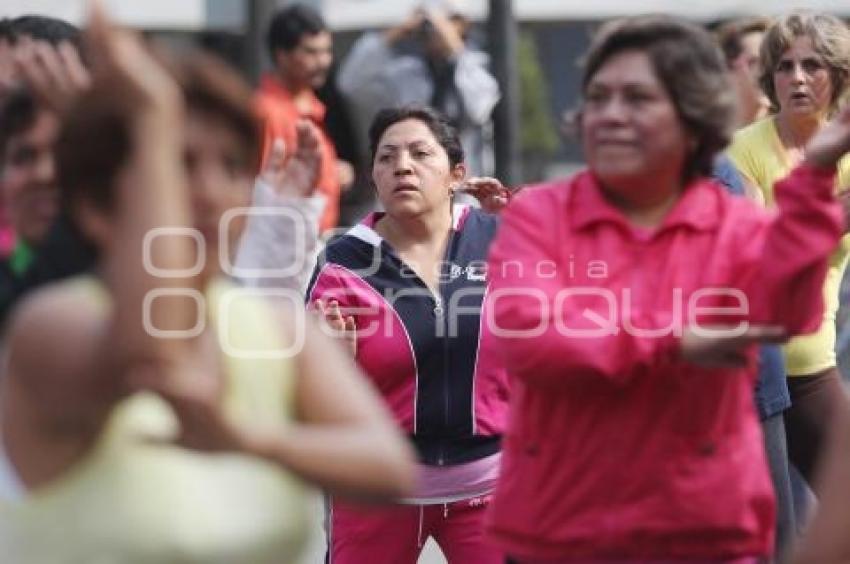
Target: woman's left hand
55 74
295 176
492 195
342 327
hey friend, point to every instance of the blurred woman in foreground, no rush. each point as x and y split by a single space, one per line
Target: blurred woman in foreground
633 435
407 288
101 413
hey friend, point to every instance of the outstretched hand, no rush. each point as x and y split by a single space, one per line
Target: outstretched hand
492 195
120 60
296 176
719 348
342 327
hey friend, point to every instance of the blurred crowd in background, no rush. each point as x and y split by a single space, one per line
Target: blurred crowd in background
288 112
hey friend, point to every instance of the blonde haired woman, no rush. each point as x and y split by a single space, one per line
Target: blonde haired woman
805 60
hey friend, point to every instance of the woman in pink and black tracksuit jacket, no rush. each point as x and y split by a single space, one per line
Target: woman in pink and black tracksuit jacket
632 355
409 288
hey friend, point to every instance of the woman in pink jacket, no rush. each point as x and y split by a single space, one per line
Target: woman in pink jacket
628 301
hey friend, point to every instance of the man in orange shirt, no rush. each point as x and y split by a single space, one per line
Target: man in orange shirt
300 47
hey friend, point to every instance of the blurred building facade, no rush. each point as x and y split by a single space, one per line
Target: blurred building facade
560 30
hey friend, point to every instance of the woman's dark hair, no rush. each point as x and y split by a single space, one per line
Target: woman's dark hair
444 132
18 113
730 35
94 142
290 24
6 32
45 28
691 68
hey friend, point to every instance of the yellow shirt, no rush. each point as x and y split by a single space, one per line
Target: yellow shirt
133 502
760 156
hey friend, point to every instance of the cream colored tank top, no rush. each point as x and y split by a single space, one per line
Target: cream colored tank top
130 501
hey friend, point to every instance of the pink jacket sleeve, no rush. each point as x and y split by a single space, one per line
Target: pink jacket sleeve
784 283
536 346
331 283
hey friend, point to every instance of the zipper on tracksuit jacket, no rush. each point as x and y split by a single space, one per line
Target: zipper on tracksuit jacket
439 313
440 317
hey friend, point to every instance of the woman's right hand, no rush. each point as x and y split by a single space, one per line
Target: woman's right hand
55 74
448 39
344 328
830 143
718 347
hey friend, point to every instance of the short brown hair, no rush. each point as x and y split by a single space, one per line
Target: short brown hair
688 63
830 38
730 34
95 142
444 132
